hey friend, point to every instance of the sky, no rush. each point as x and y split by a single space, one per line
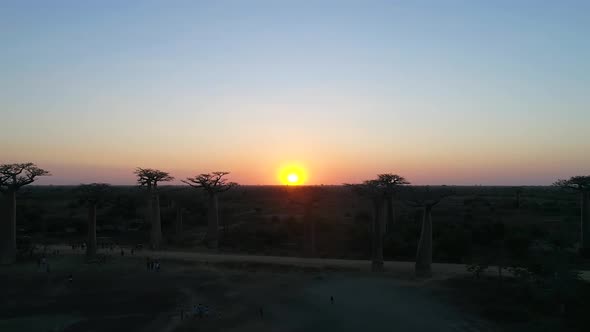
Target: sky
441 92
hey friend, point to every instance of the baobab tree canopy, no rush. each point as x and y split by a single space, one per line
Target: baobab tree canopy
390 181
15 176
211 182
384 184
579 182
148 177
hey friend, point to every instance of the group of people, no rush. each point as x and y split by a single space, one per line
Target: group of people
81 245
152 264
200 310
43 264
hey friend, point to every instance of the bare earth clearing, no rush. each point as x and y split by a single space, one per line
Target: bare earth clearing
121 295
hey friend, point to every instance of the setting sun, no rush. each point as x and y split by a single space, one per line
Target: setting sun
292 174
293 178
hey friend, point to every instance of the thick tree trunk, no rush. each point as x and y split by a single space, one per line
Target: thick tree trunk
8 236
585 223
156 234
377 259
91 245
309 232
424 254
178 225
213 225
390 215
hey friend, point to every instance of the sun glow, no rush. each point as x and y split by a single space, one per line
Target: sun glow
292 174
293 178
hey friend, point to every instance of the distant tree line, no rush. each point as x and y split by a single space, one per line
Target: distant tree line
381 192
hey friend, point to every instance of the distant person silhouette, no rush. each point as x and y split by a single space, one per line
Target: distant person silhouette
332 299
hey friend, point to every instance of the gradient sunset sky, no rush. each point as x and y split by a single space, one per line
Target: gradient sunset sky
442 92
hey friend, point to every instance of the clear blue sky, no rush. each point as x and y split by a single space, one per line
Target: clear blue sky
456 92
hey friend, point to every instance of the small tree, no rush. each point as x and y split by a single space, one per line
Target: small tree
426 199
213 184
12 178
92 195
149 178
581 184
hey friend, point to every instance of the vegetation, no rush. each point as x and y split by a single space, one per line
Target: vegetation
12 178
92 195
582 185
213 184
149 179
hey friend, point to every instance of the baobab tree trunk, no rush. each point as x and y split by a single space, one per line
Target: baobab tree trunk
91 245
377 259
309 232
213 224
585 223
424 254
8 236
178 225
156 233
390 215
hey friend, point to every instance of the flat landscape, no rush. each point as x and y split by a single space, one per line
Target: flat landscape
121 295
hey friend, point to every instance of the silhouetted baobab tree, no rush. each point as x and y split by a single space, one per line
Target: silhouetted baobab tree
12 178
390 183
426 199
373 190
582 185
149 178
92 195
213 184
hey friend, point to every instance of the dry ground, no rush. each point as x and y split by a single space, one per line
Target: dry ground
122 295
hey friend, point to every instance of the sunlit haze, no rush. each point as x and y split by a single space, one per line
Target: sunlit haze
297 92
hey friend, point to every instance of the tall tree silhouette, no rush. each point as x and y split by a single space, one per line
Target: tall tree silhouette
581 184
92 195
373 190
390 183
426 199
213 184
149 178
12 178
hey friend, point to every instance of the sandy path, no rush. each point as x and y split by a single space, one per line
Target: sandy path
440 270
